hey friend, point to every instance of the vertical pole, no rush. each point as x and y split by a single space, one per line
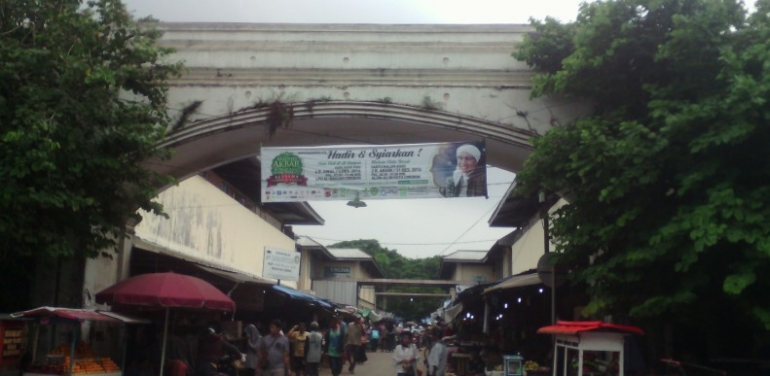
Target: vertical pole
125 349
485 329
547 248
621 370
165 338
580 362
72 348
37 338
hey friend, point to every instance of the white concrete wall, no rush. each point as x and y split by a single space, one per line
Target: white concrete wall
470 271
367 294
210 226
466 68
305 282
528 249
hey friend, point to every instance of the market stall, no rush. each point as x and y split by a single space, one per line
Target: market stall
165 291
599 346
12 344
75 357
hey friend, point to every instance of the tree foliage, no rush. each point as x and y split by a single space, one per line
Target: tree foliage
396 266
71 146
668 178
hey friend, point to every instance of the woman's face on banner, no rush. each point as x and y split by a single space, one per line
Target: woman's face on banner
465 162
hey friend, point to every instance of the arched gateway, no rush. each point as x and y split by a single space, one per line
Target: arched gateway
339 84
353 84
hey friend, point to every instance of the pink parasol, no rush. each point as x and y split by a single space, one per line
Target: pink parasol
167 290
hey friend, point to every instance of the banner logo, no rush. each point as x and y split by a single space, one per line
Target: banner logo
286 169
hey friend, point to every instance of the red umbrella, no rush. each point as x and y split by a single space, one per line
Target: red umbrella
167 290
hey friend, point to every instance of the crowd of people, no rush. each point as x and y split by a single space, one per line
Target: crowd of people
302 349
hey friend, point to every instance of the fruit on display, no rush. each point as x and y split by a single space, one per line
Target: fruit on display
531 365
86 361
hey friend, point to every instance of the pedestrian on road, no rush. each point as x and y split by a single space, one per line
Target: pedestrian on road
252 341
314 349
405 356
334 340
353 342
274 352
298 337
438 354
375 337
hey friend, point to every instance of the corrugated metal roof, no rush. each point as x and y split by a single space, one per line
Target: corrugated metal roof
349 253
466 256
306 241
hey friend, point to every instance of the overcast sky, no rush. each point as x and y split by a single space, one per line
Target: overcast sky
416 228
355 11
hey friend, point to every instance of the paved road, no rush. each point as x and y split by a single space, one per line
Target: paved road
378 364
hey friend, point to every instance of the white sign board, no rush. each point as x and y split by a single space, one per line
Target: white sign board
283 265
373 172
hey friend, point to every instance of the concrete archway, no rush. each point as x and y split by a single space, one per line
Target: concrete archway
217 141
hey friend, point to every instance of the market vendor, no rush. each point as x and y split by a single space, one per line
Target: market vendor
212 347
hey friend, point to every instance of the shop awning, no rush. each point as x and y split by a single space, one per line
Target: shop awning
72 314
515 281
575 327
302 296
234 276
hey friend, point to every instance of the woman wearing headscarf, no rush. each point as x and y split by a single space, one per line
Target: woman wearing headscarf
252 340
468 179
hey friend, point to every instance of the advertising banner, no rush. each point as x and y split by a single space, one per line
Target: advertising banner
279 264
374 172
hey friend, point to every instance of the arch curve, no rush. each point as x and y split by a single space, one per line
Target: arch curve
216 141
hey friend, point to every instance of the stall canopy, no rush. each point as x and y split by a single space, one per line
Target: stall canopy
575 327
302 296
79 315
166 290
583 336
519 280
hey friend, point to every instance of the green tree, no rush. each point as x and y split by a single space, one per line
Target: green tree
668 178
71 145
397 266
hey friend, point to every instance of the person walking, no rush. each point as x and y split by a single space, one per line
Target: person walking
334 341
314 349
273 350
438 354
298 338
391 339
405 356
353 342
375 337
252 341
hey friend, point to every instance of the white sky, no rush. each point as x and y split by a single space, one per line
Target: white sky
355 11
416 228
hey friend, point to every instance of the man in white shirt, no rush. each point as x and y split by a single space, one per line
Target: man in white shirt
405 355
438 354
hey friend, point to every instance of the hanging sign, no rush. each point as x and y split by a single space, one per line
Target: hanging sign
374 172
280 264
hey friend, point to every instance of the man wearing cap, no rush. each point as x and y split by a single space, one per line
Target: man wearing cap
468 180
314 349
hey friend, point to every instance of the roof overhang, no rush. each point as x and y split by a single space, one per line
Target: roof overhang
513 210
